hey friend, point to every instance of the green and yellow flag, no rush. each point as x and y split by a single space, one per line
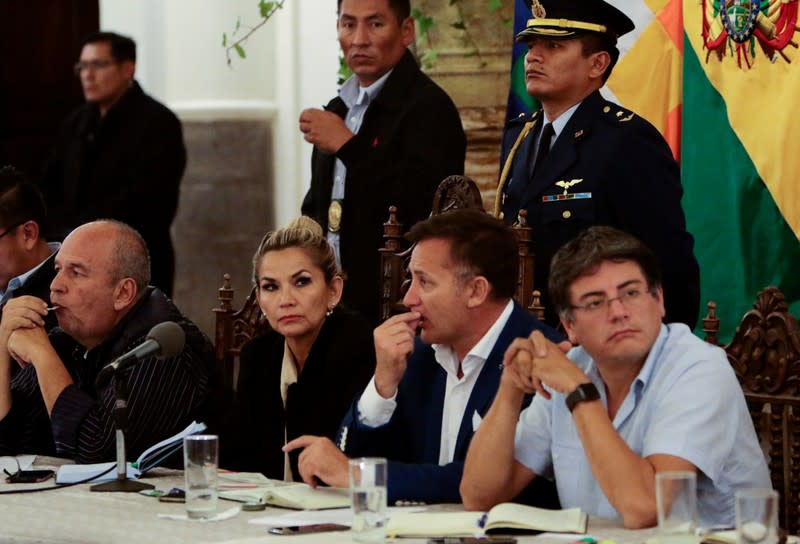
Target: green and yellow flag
720 79
739 162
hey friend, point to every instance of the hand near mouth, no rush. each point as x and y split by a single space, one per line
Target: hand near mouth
394 343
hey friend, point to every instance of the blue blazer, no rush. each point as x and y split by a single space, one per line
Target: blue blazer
411 439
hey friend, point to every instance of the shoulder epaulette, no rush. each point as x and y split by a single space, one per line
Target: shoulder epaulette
616 113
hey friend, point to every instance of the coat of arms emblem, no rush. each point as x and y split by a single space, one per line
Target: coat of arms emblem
739 27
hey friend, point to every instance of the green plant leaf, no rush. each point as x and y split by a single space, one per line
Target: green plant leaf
238 25
493 5
224 40
424 22
507 23
344 71
265 8
453 2
239 50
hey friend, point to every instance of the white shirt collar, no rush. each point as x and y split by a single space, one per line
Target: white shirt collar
479 353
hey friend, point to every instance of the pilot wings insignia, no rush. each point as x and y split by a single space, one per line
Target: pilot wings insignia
567 184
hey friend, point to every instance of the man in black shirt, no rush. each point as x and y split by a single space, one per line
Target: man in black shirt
104 308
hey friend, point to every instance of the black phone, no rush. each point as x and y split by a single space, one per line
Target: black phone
474 540
305 529
173 495
29 476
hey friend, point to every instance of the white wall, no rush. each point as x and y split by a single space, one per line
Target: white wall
291 64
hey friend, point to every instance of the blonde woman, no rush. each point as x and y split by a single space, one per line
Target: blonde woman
301 377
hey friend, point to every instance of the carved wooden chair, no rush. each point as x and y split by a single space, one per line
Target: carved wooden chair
235 327
765 354
454 192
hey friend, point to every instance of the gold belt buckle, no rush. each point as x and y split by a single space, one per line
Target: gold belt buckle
335 216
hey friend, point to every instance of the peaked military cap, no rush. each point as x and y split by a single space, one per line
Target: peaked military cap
568 18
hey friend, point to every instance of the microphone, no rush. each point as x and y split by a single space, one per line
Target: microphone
164 340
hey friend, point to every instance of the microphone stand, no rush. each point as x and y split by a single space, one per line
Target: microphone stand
120 415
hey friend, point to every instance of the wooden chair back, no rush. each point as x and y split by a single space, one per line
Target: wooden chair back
454 192
765 354
235 327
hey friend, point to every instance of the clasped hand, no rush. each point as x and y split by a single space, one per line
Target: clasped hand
529 363
22 328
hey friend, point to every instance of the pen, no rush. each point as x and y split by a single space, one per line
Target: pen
482 520
241 485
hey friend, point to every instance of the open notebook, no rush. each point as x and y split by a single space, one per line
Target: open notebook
285 494
151 457
503 518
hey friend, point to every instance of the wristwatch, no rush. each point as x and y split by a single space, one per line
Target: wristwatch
583 393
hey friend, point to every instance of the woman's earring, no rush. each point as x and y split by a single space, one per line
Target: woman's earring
329 312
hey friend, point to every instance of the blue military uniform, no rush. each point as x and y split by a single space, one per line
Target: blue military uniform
607 166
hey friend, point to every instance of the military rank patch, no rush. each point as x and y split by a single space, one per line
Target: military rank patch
568 196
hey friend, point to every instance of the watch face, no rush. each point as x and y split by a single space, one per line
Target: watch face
583 393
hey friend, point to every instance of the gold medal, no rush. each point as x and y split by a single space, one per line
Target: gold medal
335 216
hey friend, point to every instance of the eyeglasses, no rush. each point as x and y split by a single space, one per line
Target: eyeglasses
91 65
11 228
629 298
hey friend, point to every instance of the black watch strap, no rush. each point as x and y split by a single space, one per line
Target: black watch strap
585 392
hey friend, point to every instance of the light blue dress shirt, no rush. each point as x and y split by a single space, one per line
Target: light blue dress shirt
18 281
685 402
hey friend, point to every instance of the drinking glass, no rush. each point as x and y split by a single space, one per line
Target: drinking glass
368 498
200 460
676 502
757 516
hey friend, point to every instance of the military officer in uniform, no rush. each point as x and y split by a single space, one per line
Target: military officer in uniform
581 160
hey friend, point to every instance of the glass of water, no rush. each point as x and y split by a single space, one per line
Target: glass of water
757 516
368 498
200 460
676 503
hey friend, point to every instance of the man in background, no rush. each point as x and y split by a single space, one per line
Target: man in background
26 259
119 156
388 139
53 405
581 160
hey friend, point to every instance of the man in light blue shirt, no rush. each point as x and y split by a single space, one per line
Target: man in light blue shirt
26 259
636 398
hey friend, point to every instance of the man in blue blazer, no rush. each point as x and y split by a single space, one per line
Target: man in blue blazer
429 393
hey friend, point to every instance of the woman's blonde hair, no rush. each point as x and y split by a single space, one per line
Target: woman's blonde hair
303 233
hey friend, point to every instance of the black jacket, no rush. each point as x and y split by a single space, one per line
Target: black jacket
164 396
411 138
341 362
125 166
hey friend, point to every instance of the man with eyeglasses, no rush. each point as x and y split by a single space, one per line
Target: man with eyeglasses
26 259
120 155
636 397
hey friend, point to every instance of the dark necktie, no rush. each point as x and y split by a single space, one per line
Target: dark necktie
544 147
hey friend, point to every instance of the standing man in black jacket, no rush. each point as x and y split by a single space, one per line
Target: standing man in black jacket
119 156
388 139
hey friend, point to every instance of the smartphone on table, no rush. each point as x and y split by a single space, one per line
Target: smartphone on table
305 529
474 540
29 476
